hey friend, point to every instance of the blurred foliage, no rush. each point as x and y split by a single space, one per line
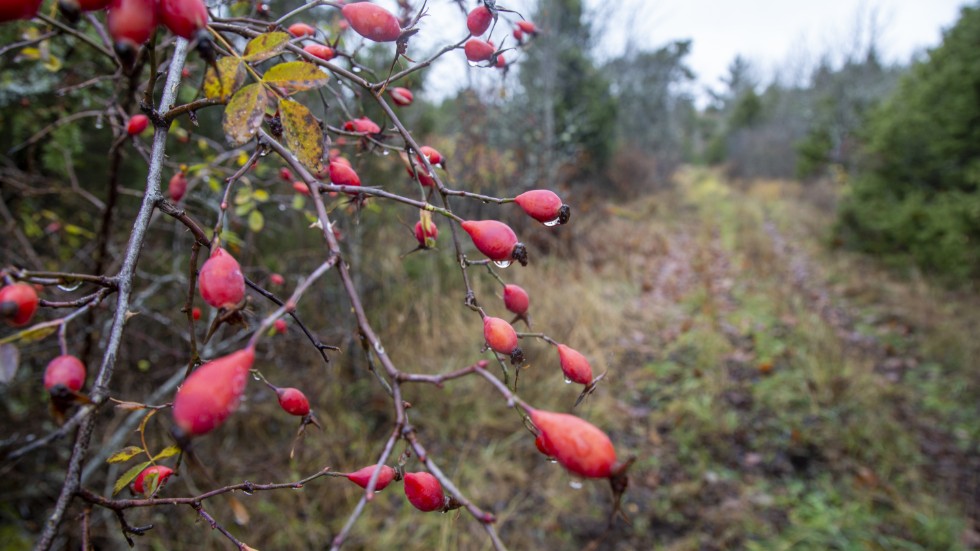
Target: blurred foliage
917 197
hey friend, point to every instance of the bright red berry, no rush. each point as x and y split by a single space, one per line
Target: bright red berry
212 393
539 443
478 50
301 187
426 236
137 124
578 445
502 338
11 10
196 313
544 206
401 96
301 29
501 62
285 174
131 22
363 125
424 491
479 20
325 53
293 401
574 365
424 177
363 476
92 5
220 281
518 35
372 22
279 326
343 175
184 18
177 186
277 279
516 299
67 371
151 479
435 158
496 240
527 27
18 302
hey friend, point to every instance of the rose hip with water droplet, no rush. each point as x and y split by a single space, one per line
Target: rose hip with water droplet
496 240
18 302
220 281
211 393
431 153
372 22
544 206
578 445
363 476
477 50
424 492
574 365
66 371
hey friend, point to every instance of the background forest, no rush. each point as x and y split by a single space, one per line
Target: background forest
780 281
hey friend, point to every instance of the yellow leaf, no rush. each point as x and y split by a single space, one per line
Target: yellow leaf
30 335
266 45
296 76
256 221
231 74
261 195
302 133
244 113
241 513
124 454
169 451
128 477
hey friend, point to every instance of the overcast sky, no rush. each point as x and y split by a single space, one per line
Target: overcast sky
776 35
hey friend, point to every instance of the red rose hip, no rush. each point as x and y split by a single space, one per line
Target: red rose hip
479 20
131 22
401 96
184 18
574 365
578 445
496 240
477 50
212 393
516 299
325 53
18 302
293 401
501 337
372 22
301 29
363 476
424 492
137 124
66 371
220 281
151 479
177 186
544 206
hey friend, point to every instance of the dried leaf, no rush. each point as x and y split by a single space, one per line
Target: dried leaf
124 454
232 74
128 477
241 513
302 134
296 76
9 361
266 45
244 113
30 335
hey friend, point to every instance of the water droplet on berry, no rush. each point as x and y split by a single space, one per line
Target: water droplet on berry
575 485
473 63
568 381
356 69
256 377
502 263
386 152
247 492
552 223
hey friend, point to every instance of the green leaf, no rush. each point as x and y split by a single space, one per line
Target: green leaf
298 202
128 477
124 454
296 76
255 221
244 113
242 210
266 45
261 195
169 451
30 335
231 74
302 133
